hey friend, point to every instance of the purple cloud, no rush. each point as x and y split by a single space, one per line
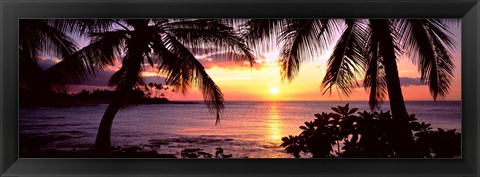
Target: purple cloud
227 60
409 81
404 81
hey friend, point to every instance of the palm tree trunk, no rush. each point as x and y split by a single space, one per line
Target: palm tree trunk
402 135
397 104
102 142
132 63
387 51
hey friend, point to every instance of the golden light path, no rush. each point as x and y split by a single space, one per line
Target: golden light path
275 131
274 122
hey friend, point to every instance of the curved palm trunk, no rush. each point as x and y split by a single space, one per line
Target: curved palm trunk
403 135
102 142
132 61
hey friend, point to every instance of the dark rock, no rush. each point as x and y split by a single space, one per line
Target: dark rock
191 150
205 155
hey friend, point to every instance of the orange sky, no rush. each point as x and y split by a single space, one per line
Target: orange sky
255 84
244 83
239 83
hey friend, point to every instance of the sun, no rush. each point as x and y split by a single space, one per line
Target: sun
271 57
274 91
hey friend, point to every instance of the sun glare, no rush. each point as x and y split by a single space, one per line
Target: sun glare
271 57
274 91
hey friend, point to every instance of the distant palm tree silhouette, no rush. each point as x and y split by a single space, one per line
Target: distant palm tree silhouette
368 47
152 86
158 87
167 45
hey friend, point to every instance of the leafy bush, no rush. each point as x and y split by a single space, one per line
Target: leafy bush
345 134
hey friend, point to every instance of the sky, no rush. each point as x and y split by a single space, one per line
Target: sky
262 82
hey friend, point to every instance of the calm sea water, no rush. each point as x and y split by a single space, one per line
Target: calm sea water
247 129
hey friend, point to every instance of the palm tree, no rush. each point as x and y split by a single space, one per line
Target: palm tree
53 38
158 87
367 47
152 85
167 45
38 38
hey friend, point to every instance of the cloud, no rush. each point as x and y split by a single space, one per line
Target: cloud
409 81
222 60
154 79
227 61
45 63
404 81
202 51
102 78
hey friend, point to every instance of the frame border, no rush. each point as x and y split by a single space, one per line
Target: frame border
12 10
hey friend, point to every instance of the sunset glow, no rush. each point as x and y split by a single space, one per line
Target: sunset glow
274 91
263 80
244 83
204 88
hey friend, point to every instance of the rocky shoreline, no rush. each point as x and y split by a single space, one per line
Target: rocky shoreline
124 152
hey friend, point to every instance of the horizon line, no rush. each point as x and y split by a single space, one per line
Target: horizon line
315 100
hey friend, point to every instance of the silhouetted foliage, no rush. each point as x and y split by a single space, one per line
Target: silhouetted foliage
365 47
31 98
370 135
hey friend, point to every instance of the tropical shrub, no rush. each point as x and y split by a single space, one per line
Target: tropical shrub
346 133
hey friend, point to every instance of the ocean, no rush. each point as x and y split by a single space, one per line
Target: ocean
247 128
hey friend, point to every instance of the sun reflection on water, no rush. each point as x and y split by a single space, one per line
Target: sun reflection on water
274 123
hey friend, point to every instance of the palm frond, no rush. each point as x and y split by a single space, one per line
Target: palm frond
261 34
211 36
326 31
171 65
117 77
183 69
347 59
374 80
103 49
82 27
71 70
129 76
441 72
49 40
83 64
299 43
37 38
29 51
303 39
427 42
159 22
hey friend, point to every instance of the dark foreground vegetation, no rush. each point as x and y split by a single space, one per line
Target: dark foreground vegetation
346 133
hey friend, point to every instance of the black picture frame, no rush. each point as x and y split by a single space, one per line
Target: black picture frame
12 10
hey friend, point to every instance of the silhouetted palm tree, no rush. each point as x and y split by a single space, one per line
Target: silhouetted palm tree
38 38
368 47
51 38
152 85
158 87
169 46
